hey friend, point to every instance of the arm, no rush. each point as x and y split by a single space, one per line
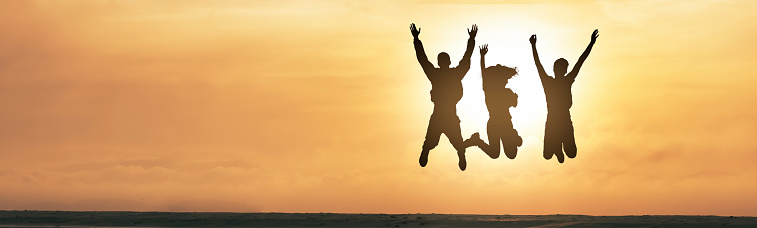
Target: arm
542 74
419 52
581 59
464 65
483 49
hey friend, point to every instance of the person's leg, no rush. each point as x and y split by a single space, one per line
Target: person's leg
569 140
511 141
452 131
432 139
552 144
474 140
491 149
548 152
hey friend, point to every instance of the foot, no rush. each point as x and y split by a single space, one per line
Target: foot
547 155
461 157
560 157
424 158
474 140
511 151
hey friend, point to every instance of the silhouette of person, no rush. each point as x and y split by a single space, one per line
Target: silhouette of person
558 131
498 101
446 91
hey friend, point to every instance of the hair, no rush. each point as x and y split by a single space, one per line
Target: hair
561 63
505 71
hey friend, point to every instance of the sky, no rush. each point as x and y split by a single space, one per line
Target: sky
321 106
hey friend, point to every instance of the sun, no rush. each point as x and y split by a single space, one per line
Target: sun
507 46
528 115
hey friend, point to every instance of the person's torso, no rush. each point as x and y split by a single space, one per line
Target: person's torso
558 93
498 98
446 86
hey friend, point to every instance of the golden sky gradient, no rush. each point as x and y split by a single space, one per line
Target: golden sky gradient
321 106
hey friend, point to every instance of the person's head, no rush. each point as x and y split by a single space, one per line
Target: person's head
443 59
500 71
560 67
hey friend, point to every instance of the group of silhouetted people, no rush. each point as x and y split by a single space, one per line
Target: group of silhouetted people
447 90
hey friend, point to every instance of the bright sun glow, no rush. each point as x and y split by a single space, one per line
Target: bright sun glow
507 49
509 46
527 116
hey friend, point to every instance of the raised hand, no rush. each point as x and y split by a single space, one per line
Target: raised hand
484 49
472 31
532 39
594 35
414 31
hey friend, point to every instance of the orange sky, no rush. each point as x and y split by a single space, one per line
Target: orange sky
320 106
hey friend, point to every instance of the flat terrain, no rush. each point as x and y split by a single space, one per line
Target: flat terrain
168 219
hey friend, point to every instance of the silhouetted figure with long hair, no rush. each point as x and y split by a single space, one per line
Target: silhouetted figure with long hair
558 131
446 91
499 99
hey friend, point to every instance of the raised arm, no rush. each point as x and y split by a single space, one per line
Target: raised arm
542 74
581 59
464 65
419 52
483 49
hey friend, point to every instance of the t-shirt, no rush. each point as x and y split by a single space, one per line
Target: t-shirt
558 93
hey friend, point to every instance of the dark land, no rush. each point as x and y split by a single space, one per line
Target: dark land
214 219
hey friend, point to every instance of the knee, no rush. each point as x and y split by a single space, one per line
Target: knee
511 152
571 151
493 154
490 150
548 155
551 148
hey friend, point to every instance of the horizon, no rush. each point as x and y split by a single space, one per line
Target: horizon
321 106
410 213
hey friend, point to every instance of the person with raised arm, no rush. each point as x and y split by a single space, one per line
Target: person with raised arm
558 131
499 99
446 91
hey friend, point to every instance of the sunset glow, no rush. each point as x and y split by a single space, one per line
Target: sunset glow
321 106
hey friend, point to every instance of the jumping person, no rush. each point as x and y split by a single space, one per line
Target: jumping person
446 91
499 99
558 131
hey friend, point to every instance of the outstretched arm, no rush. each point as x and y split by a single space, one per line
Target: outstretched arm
542 74
419 52
581 59
483 49
464 65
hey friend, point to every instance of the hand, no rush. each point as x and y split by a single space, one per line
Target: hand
594 35
532 39
472 31
414 31
484 49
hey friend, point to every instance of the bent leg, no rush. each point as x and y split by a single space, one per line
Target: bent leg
569 140
453 134
455 137
510 143
432 139
552 144
491 149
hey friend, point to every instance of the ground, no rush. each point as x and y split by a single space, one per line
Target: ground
167 219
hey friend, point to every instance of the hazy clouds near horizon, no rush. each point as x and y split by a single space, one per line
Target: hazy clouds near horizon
321 107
